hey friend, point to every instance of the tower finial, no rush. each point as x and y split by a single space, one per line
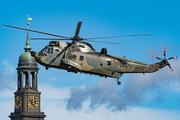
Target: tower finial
28 19
28 48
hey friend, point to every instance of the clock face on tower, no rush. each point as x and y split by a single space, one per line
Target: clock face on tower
33 102
17 102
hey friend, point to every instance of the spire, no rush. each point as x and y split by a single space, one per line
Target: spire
28 48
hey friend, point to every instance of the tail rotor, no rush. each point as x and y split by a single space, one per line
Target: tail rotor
164 61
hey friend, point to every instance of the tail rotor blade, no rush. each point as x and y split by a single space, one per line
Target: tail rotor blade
172 58
170 67
156 57
164 53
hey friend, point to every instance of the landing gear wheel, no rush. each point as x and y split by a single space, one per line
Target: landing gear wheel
118 82
46 68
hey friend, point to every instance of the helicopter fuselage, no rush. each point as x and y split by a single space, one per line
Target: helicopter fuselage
81 57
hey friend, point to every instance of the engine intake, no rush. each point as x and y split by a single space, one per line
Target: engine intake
104 51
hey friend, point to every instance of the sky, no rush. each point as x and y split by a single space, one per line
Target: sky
70 96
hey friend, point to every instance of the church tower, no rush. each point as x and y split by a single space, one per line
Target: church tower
27 96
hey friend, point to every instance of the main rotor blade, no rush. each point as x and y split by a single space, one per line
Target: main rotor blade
47 39
36 31
102 42
70 39
119 36
78 29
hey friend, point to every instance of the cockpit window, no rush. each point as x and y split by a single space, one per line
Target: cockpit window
41 53
44 50
50 50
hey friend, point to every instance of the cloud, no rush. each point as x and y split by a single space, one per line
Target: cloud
56 111
140 88
8 68
51 93
53 105
7 77
101 93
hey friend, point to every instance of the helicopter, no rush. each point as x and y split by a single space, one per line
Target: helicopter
80 56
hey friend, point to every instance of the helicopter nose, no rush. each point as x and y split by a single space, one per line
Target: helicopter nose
33 53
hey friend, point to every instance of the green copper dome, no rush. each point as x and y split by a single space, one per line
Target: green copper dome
26 60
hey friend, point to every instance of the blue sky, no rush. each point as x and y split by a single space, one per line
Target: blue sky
74 96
